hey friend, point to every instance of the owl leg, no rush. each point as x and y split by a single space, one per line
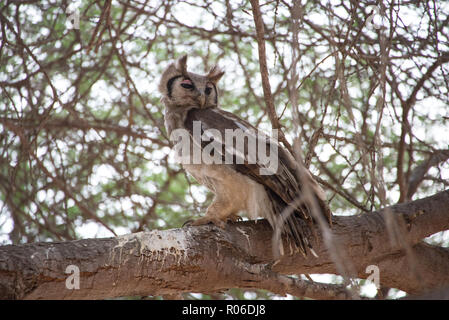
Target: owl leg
206 220
218 213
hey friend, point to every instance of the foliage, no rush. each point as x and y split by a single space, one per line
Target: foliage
82 139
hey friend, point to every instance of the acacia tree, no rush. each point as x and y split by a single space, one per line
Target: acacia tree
359 92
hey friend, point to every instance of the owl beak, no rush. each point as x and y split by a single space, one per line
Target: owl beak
202 99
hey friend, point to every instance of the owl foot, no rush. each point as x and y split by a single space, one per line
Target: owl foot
234 218
187 223
206 220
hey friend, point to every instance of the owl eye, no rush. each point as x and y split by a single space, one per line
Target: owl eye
187 84
208 90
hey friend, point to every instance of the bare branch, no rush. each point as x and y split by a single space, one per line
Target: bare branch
260 34
418 174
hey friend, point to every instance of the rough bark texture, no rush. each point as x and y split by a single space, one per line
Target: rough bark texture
209 259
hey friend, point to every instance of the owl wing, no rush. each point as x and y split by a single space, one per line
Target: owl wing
284 186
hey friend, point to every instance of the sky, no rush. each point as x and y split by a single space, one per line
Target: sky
189 15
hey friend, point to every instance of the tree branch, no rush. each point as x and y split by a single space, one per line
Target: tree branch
406 107
209 259
260 36
418 174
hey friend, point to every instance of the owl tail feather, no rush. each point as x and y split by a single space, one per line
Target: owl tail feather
297 225
298 232
299 229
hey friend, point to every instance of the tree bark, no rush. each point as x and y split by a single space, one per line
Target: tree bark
209 259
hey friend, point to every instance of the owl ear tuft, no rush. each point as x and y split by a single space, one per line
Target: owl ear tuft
215 74
181 64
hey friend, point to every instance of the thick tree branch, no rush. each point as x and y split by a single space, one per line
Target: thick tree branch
209 259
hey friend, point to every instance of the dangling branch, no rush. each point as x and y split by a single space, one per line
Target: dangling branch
269 101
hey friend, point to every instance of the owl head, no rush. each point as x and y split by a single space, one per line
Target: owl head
180 88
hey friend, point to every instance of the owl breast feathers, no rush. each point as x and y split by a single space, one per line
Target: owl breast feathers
278 189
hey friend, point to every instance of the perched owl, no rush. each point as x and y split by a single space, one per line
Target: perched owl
239 185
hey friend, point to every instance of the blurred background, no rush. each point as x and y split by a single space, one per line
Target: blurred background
363 85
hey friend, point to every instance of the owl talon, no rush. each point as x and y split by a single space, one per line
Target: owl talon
188 223
206 220
234 218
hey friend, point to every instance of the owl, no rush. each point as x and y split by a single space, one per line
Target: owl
239 185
